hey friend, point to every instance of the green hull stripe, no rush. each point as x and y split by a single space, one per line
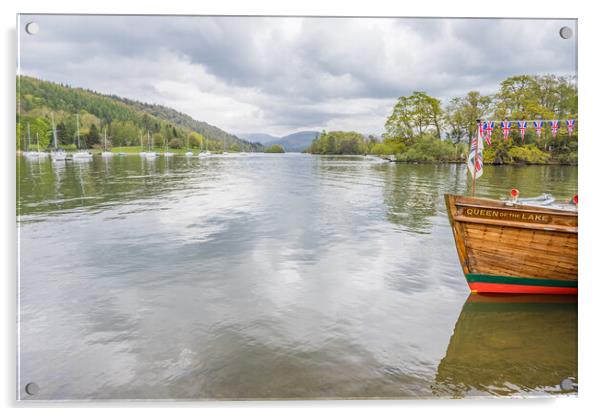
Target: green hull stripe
484 278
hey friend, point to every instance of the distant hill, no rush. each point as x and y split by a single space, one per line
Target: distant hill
296 142
258 137
125 119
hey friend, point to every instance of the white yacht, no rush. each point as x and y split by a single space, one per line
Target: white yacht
205 153
81 154
29 154
166 151
150 154
105 152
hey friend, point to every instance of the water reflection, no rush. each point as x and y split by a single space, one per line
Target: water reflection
266 276
505 345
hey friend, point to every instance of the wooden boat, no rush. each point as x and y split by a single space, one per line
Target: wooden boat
511 344
510 247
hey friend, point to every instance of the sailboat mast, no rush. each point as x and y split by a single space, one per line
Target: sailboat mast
105 138
53 131
38 141
148 140
77 124
28 138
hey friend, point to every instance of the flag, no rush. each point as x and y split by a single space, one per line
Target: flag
538 125
488 130
522 126
554 126
506 125
570 125
475 157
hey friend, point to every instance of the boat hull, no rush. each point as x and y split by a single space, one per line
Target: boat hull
508 248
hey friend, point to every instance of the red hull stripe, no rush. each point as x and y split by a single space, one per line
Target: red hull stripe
528 281
482 287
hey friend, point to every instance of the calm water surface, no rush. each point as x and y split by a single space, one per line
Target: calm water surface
270 276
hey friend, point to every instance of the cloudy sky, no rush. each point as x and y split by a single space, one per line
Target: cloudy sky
281 75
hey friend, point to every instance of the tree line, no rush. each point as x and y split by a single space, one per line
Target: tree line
420 128
125 122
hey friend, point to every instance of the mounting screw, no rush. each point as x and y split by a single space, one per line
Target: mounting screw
566 32
32 28
32 389
567 384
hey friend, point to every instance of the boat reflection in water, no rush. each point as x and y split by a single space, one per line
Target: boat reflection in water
523 345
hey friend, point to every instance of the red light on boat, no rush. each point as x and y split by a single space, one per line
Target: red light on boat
514 194
575 200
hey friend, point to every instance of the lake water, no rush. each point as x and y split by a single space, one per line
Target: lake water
271 276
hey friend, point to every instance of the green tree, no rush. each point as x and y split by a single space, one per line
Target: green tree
413 116
157 140
93 136
462 112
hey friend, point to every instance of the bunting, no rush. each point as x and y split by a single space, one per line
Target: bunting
554 126
506 125
570 124
489 130
486 128
522 126
538 124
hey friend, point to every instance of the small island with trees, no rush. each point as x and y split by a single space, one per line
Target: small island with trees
421 130
275 148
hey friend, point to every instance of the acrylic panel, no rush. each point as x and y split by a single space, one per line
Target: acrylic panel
241 208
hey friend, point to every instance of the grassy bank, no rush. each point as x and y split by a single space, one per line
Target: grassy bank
138 149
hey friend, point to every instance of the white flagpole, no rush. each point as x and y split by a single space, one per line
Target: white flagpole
474 161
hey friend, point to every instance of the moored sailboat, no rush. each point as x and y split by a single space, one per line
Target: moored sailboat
29 154
188 152
142 151
166 151
106 152
150 154
80 154
206 152
57 153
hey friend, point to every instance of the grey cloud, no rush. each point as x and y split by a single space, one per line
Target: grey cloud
291 63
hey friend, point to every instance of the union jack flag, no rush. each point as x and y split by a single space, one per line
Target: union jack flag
475 157
489 129
570 125
522 126
538 125
554 126
506 125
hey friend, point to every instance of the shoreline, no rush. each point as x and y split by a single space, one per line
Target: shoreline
135 151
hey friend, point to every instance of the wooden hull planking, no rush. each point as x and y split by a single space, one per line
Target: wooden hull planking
509 248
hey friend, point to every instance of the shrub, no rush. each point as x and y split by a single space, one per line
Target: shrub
429 149
567 158
175 143
529 154
387 148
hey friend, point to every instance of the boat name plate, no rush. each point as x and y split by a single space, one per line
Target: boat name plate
505 215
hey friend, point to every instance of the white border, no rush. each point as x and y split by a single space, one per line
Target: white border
590 123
